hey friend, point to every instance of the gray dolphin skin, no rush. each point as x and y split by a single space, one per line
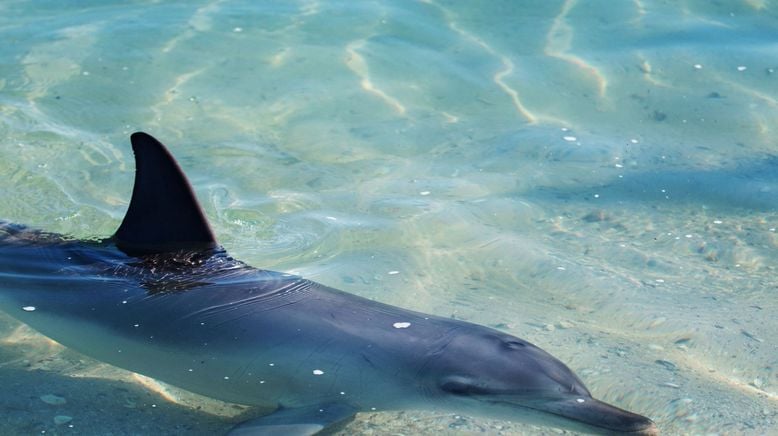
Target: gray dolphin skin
163 299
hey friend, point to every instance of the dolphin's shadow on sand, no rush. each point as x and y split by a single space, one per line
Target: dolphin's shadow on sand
751 185
98 406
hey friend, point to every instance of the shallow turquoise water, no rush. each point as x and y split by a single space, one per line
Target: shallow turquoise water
597 177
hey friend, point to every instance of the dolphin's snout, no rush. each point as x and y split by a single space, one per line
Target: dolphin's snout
604 417
651 430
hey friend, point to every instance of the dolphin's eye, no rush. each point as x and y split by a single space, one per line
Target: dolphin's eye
456 388
461 387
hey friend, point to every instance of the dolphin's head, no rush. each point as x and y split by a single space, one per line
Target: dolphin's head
501 375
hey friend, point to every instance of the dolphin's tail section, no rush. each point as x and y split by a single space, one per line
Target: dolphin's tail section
164 214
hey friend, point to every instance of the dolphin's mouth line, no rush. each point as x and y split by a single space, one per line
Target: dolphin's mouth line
522 406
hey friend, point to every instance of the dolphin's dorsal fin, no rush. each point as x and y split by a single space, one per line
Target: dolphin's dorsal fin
164 214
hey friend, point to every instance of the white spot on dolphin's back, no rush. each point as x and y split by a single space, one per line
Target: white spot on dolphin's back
401 325
28 308
318 372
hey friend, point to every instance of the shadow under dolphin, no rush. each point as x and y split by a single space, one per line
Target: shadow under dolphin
163 299
748 185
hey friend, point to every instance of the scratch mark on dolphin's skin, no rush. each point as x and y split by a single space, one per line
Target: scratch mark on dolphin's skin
558 41
337 375
367 359
356 63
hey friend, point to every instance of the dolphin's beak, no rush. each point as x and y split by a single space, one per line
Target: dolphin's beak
602 416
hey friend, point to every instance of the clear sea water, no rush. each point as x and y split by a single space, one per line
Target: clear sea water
597 177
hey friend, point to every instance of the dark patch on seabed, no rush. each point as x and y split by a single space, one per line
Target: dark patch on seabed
43 402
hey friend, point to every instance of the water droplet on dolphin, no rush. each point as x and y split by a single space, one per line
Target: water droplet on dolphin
318 372
401 325
28 308
580 400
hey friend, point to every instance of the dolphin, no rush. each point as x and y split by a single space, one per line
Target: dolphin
162 298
